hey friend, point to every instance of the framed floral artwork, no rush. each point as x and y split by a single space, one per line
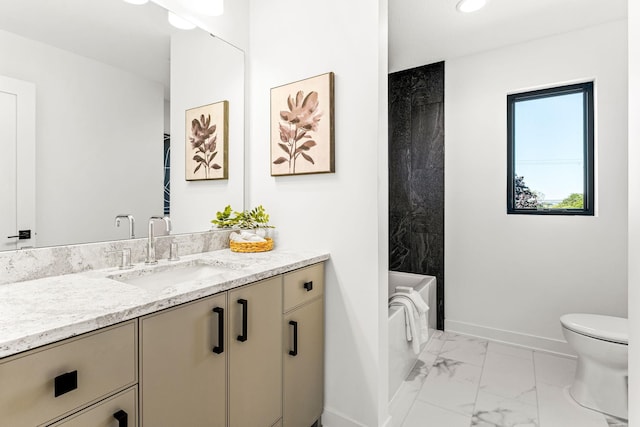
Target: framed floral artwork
302 127
207 142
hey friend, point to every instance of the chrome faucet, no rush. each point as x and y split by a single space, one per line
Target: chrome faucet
125 258
132 224
151 242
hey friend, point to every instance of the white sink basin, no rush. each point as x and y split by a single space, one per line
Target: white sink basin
156 278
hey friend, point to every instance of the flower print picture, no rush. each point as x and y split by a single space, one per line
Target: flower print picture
207 135
302 130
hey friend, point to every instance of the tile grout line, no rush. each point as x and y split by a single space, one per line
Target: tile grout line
475 402
535 382
438 356
413 401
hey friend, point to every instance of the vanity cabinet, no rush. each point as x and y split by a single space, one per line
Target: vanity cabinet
41 386
251 356
188 353
183 365
303 347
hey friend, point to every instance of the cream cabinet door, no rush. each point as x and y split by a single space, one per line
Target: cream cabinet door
255 359
303 364
183 357
116 411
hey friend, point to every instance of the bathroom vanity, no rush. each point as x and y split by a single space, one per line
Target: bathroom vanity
239 342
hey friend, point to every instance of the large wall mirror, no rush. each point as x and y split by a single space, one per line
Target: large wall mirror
112 82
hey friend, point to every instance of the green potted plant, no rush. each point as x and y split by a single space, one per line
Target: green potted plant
255 218
253 225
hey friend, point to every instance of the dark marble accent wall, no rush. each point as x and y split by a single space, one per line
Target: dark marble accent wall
416 174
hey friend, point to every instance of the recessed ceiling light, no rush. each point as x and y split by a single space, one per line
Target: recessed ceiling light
137 1
470 5
179 22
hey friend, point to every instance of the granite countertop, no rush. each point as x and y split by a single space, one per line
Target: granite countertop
38 312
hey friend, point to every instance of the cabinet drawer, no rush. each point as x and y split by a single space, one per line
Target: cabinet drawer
103 414
103 362
303 285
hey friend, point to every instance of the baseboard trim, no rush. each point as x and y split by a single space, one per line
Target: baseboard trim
335 419
518 339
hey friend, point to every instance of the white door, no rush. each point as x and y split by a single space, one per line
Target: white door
17 163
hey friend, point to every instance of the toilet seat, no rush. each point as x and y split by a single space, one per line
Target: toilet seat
607 328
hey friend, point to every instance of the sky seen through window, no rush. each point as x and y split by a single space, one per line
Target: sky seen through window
549 149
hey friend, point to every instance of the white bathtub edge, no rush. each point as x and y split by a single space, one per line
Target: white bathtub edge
402 359
532 342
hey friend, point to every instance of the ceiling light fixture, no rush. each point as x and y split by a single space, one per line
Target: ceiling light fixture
179 22
468 6
137 2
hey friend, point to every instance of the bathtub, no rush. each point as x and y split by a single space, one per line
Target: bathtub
401 356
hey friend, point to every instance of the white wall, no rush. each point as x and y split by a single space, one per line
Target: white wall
205 70
634 212
232 26
97 128
383 212
510 277
341 212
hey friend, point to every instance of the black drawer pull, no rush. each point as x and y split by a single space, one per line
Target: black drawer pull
294 352
220 347
65 383
308 285
121 416
22 235
245 308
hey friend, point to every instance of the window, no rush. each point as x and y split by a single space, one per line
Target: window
550 151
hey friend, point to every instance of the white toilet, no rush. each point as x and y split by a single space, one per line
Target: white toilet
601 381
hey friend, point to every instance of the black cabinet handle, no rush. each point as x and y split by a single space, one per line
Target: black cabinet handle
245 309
220 347
121 416
22 235
308 285
294 352
65 383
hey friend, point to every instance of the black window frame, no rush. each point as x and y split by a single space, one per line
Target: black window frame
589 151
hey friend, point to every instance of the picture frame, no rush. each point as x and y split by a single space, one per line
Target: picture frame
302 127
207 142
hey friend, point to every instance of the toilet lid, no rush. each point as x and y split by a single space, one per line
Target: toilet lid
608 328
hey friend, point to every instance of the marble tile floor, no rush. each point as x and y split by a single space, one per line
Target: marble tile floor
461 381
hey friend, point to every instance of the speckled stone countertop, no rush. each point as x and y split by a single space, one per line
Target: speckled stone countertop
38 312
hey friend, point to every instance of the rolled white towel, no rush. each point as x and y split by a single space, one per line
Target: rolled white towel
251 237
421 309
415 296
236 237
410 317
